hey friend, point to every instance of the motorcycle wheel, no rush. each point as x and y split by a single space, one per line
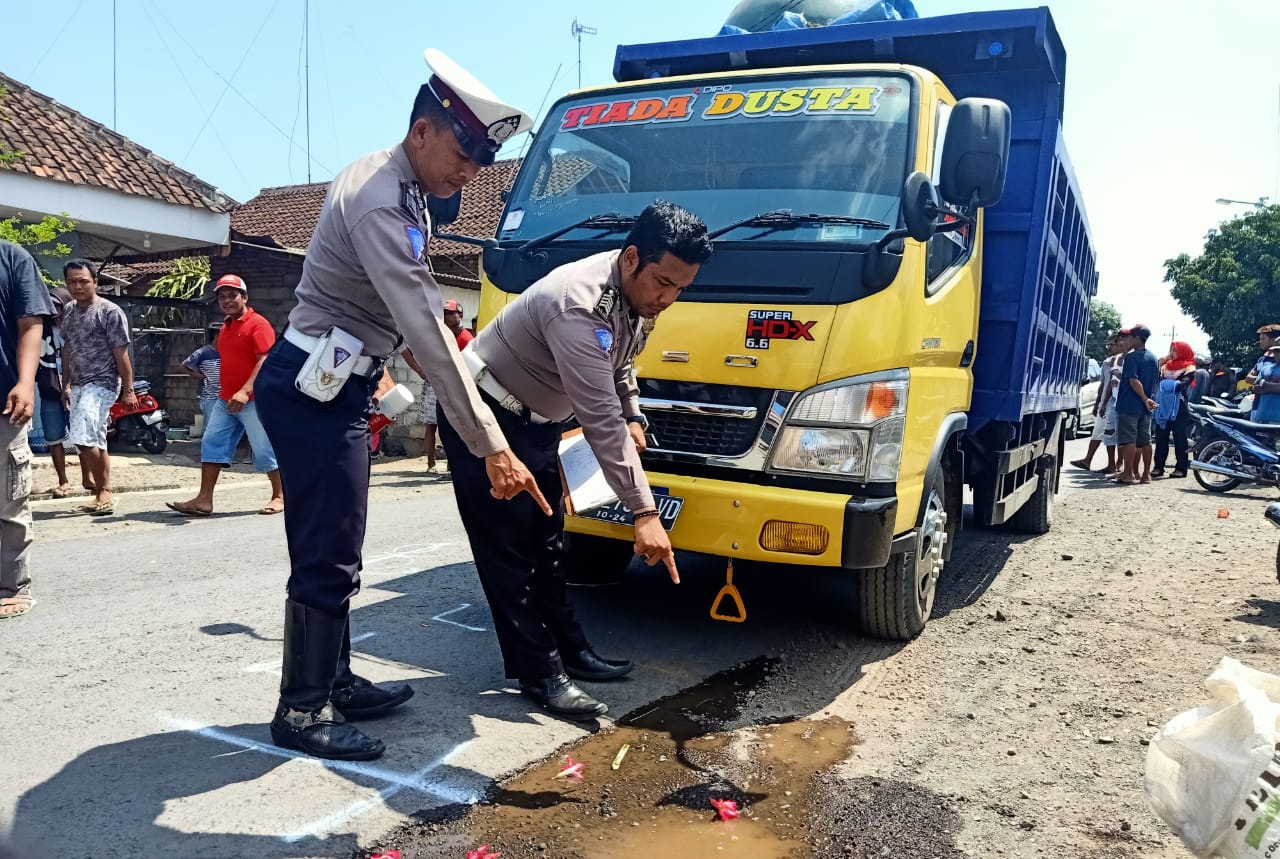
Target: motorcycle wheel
1224 453
156 439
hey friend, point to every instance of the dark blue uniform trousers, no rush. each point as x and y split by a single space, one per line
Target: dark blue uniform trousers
323 453
518 548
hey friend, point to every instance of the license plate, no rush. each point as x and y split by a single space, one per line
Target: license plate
669 507
152 418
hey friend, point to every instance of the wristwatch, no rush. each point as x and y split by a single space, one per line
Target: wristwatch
639 419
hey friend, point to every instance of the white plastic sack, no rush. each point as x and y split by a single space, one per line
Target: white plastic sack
1213 773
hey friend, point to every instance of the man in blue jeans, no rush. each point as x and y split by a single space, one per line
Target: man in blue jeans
243 344
1134 406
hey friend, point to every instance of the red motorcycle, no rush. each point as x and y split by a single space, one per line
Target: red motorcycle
144 424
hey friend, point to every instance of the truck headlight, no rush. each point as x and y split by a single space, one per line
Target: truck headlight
852 429
834 451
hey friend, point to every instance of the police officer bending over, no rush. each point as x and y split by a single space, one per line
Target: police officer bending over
564 349
365 281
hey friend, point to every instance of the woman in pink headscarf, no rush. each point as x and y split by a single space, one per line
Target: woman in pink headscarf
1177 372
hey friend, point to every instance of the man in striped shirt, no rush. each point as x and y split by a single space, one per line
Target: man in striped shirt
203 364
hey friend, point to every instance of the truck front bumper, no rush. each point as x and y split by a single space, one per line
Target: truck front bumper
738 520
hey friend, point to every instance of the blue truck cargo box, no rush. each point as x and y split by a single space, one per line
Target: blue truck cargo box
1039 264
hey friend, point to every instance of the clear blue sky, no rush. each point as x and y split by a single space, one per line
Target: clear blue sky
1166 110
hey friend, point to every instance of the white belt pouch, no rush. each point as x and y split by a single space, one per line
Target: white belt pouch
330 364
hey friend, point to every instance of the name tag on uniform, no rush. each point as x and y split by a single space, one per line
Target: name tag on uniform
329 365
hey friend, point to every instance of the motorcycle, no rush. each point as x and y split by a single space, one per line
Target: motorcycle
1238 405
144 424
1232 451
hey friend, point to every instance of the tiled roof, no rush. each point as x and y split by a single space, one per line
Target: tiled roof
288 214
61 144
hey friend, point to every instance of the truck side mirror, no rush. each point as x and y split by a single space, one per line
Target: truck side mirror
975 154
920 207
444 210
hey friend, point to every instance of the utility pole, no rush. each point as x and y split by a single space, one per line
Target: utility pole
306 39
114 65
578 31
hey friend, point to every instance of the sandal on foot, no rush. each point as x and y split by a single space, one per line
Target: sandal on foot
186 509
16 606
60 491
103 508
270 511
1081 464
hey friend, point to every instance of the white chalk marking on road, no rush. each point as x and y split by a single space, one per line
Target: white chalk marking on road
270 666
466 605
411 550
395 781
434 787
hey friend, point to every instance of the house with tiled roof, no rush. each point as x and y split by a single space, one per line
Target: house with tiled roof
271 232
128 203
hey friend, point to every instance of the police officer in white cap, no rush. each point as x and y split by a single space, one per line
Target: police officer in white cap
366 286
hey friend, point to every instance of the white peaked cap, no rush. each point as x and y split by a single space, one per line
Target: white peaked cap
482 121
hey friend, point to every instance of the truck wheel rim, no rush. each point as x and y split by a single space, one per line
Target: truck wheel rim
933 541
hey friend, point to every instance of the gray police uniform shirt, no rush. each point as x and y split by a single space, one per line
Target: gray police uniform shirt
366 272
566 347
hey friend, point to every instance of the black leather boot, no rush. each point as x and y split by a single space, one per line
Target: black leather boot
587 665
305 720
357 698
560 696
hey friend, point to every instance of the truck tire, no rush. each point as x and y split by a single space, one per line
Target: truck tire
591 560
897 598
1036 516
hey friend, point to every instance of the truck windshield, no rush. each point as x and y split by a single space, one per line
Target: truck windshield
834 144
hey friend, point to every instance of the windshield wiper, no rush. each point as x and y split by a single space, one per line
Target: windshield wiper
610 222
785 219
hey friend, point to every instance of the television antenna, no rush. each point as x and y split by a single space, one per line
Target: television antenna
578 31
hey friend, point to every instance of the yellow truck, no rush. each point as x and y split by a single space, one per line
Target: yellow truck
873 332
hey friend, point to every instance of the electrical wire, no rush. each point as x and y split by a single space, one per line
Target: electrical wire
191 90
31 74
538 116
222 95
232 87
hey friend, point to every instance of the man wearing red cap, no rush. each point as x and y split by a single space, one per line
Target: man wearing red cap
366 288
243 343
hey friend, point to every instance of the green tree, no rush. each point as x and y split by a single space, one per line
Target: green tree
186 280
43 238
1233 287
1104 320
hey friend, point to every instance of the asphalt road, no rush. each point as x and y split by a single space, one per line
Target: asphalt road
136 694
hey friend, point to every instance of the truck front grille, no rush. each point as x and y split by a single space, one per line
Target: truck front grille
704 434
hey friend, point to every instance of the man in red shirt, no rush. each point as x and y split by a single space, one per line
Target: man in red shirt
243 344
427 400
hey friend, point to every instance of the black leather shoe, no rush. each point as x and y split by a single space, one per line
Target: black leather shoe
587 665
560 696
305 720
323 734
357 698
360 699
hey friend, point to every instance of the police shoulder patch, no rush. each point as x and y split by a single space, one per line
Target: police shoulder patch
608 299
605 338
412 201
417 242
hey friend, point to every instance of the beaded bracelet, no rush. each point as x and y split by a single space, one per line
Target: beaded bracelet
643 514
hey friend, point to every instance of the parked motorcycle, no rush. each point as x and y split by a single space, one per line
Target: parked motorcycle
144 424
1233 451
1238 405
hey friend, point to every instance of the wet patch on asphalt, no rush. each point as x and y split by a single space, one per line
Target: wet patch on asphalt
682 752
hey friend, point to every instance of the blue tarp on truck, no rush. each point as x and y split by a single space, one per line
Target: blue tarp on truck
1039 262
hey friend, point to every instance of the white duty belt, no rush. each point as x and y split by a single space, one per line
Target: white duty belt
307 344
485 381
